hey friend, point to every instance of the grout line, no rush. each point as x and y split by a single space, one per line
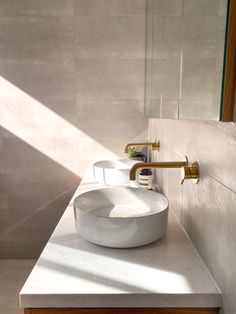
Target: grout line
73 15
203 171
196 251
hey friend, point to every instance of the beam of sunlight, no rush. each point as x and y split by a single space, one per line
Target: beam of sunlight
46 131
110 269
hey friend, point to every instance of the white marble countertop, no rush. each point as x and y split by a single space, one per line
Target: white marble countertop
72 272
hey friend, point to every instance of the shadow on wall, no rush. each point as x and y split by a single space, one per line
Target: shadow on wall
67 99
43 158
34 192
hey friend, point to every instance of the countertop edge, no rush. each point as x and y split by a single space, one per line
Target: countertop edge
122 301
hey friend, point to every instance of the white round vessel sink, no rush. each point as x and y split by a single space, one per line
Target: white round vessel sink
121 217
113 172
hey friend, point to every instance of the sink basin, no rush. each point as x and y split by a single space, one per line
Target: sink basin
113 172
121 217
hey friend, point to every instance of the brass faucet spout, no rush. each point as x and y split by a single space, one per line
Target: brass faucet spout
154 146
150 165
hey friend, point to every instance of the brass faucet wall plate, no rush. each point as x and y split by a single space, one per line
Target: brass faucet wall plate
190 172
195 172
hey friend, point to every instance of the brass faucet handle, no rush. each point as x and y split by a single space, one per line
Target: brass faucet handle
153 145
190 172
156 146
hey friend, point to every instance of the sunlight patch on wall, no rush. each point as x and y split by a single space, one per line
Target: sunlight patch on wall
46 131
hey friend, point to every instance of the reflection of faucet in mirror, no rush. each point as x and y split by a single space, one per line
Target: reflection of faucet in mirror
154 146
187 172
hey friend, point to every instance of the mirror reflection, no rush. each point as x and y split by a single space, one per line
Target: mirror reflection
184 58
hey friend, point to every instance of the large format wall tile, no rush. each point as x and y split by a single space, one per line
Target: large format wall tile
166 78
3 204
36 8
206 210
21 249
1 151
110 79
71 93
109 7
118 109
42 37
20 158
125 128
167 34
36 69
201 7
200 36
117 37
198 72
211 143
209 218
201 109
168 7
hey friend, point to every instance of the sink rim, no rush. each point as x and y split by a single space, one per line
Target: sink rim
129 162
152 194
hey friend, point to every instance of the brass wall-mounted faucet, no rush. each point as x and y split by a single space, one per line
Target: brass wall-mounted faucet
153 145
188 172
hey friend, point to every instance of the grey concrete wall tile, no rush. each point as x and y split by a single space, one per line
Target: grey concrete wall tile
21 158
128 127
200 28
167 7
39 190
167 34
170 108
201 109
21 250
118 109
36 69
207 142
223 7
221 36
165 81
209 219
153 107
4 209
43 37
36 8
198 78
201 7
172 7
13 275
195 48
38 41
49 82
109 7
110 79
117 37
171 179
163 108
55 88
208 208
1 151
63 108
200 36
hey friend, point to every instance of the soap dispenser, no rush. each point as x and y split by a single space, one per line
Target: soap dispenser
145 179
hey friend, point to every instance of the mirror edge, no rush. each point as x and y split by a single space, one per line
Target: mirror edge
229 80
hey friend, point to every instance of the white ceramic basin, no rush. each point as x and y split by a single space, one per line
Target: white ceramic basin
113 172
121 217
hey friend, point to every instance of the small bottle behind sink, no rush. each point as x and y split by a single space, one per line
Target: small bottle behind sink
145 179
